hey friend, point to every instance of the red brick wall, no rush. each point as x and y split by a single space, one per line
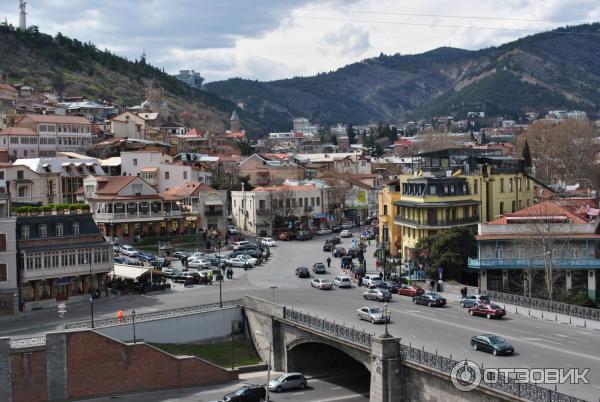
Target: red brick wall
29 376
98 365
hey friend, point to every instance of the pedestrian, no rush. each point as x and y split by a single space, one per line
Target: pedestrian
432 284
328 262
120 315
210 277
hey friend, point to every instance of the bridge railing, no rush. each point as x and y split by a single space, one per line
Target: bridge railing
156 315
546 305
27 342
329 328
508 385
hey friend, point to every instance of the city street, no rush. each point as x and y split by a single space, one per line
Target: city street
447 331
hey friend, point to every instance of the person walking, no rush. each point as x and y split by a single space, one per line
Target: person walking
120 315
328 262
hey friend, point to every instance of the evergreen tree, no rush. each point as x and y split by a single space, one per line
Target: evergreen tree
526 154
351 134
334 140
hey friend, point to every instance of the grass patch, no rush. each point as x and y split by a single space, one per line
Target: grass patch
216 353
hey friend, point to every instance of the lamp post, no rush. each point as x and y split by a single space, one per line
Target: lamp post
273 290
387 314
90 292
232 354
133 322
220 290
268 364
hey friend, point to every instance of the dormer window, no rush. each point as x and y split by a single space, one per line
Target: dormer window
25 232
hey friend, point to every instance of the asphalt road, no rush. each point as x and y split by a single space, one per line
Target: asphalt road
538 343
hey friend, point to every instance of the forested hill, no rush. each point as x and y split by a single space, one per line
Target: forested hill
558 69
74 68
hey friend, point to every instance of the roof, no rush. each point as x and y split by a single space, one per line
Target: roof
73 155
525 236
109 185
128 271
574 212
47 118
112 161
194 132
234 115
304 187
58 165
148 116
17 131
187 190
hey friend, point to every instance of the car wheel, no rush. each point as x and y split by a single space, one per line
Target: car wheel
471 312
261 400
429 304
372 320
415 300
302 386
462 304
495 352
278 389
359 317
364 297
475 346
489 316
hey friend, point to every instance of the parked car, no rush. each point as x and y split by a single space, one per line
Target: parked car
493 344
199 263
339 252
430 299
336 228
302 272
129 251
322 232
181 254
267 241
354 252
121 260
285 236
336 239
232 229
371 281
146 257
287 381
251 261
303 235
321 283
346 225
390 286
345 233
238 262
116 249
487 310
319 268
342 281
247 393
197 255
410 290
328 246
472 300
373 314
377 294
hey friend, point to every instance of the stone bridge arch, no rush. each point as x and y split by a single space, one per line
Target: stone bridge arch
293 345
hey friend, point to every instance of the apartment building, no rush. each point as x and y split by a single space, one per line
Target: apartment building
202 206
9 300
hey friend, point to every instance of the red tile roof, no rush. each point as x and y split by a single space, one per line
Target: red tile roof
111 185
17 131
44 118
187 190
548 208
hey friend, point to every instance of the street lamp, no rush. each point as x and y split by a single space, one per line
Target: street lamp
220 277
133 322
90 292
232 353
273 289
387 314
268 364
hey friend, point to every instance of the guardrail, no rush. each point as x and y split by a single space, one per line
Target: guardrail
329 328
504 384
30 342
157 315
546 305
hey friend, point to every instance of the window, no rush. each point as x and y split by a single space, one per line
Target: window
24 232
385 210
527 183
3 273
185 175
20 174
59 229
2 242
300 201
501 185
75 228
166 175
513 206
510 185
475 187
501 208
134 162
287 203
312 201
318 201
43 231
137 188
14 140
22 191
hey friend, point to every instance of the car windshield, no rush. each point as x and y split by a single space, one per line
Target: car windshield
280 378
495 339
495 307
240 391
325 281
374 310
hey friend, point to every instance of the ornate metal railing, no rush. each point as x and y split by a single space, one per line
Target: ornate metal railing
504 384
156 315
30 342
329 328
546 305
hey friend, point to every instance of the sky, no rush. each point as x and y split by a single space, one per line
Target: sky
274 39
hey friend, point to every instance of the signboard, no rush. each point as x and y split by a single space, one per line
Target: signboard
440 270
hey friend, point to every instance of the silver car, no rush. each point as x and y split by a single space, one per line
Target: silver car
377 294
472 300
321 283
373 314
287 381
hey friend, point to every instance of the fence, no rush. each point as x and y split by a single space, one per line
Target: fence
546 305
29 342
157 315
504 384
329 328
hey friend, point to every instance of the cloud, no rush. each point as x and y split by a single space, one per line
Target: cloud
266 39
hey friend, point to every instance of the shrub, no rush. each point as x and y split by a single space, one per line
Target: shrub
85 207
73 207
46 208
22 210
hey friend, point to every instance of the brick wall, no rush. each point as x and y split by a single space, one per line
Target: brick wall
98 365
29 376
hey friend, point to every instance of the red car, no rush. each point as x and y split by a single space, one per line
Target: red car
488 310
412 291
284 236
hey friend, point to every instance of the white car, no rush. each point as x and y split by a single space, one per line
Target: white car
267 241
198 255
371 281
321 283
324 231
250 260
342 281
129 251
345 233
232 229
199 264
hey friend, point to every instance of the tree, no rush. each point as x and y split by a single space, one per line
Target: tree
245 147
450 250
526 154
334 140
283 203
351 134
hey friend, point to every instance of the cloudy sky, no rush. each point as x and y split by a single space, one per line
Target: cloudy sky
272 39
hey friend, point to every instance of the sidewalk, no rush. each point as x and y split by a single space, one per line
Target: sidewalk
454 297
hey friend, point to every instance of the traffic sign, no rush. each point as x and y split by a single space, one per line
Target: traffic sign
90 298
440 270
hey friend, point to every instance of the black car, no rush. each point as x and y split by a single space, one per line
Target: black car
390 286
319 268
302 272
492 344
247 393
336 239
328 246
303 235
430 299
339 252
336 229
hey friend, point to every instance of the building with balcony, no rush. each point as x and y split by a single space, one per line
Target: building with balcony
9 301
60 257
454 187
202 205
127 208
270 169
389 233
556 240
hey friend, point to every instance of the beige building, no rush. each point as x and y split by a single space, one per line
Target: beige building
8 266
56 133
270 169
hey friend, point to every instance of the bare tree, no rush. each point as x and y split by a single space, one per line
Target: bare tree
433 141
283 203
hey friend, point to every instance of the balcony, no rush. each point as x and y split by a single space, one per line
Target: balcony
59 272
436 224
524 263
263 211
213 212
116 217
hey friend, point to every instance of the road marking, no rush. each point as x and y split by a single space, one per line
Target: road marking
536 356
336 387
298 393
493 358
527 367
561 335
341 398
596 386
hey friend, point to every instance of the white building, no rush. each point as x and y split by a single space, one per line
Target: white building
160 171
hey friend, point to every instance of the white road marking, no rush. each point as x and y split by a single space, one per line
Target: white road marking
339 398
298 393
536 356
561 335
336 387
527 367
493 358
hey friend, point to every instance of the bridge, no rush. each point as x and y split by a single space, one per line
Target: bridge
398 372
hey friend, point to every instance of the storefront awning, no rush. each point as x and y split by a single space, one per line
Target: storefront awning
128 271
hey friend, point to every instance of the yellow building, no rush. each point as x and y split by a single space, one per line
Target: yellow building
451 188
389 233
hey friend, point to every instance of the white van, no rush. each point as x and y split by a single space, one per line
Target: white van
342 281
237 244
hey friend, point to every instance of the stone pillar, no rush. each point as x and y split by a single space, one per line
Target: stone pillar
386 366
504 279
5 370
592 284
56 366
483 280
569 280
